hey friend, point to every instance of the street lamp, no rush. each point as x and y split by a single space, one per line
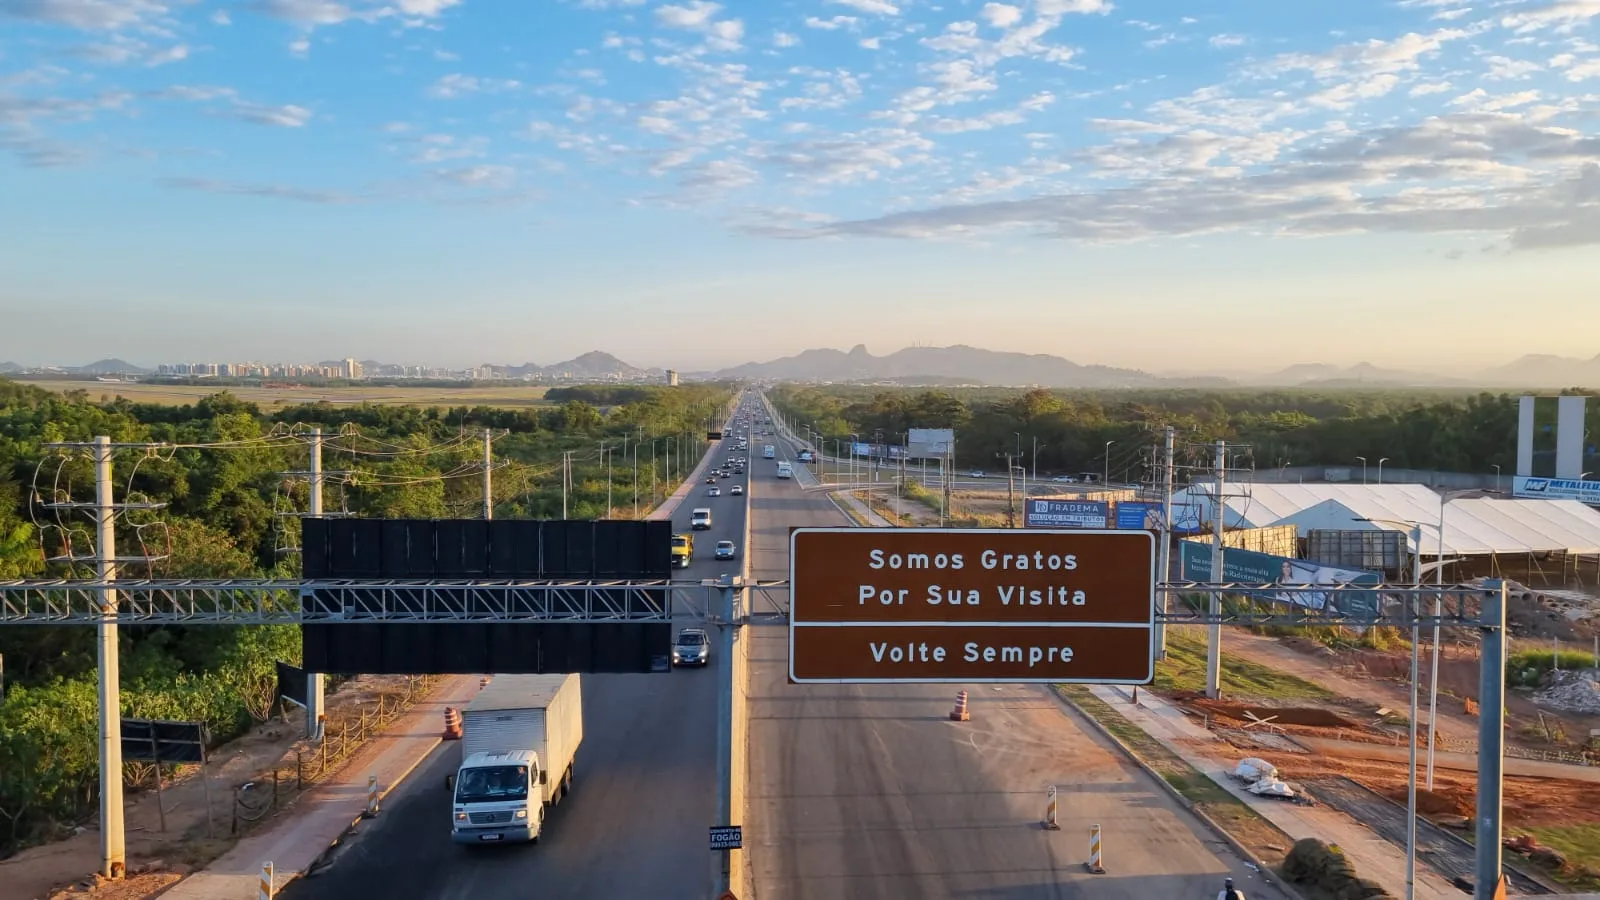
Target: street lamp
1106 477
1497 478
854 438
1416 637
1380 469
1363 469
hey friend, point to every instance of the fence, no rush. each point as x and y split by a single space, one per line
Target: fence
1453 745
304 766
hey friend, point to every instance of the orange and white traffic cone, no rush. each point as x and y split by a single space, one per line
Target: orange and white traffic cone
1050 822
452 723
959 714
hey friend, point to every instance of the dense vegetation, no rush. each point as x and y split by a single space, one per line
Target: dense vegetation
1449 431
229 511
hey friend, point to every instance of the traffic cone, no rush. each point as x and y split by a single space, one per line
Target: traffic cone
1095 863
452 723
959 714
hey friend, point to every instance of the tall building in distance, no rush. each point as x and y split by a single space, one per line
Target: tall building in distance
352 369
672 378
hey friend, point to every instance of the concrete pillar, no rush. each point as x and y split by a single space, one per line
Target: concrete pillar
1569 436
1525 436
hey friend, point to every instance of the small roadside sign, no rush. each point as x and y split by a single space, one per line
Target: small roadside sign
727 837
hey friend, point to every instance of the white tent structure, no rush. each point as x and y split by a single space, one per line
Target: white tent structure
1537 531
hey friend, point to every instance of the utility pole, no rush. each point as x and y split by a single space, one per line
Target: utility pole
113 849
1035 462
609 453
566 479
1491 742
488 467
1214 629
948 471
316 684
636 475
1165 560
1011 493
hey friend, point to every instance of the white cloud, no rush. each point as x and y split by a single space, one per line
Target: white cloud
1071 7
424 8
609 4
1368 57
693 16
784 39
1437 87
874 7
1503 68
288 116
455 85
832 24
119 49
1001 15
479 176
1221 41
1014 116
309 12
89 15
870 43
270 191
221 17
300 46
1345 95
1562 14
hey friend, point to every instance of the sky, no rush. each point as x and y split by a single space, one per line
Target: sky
1171 185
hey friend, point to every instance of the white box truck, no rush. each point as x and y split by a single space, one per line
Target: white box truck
519 736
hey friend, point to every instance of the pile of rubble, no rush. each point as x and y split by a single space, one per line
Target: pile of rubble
1572 691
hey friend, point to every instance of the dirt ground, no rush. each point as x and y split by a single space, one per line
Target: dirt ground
1363 679
188 842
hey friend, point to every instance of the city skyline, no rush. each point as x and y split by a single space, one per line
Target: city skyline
1143 183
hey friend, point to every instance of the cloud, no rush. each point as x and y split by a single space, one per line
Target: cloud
454 85
272 191
1001 15
1367 57
288 116
1437 87
120 49
698 15
1222 41
88 15
1562 14
873 7
1014 116
479 176
234 107
784 39
311 12
832 24
693 16
871 43
609 4
221 17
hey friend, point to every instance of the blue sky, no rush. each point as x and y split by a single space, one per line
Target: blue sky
1195 185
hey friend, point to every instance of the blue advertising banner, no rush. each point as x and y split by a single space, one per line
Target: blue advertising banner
1250 567
1066 514
1138 515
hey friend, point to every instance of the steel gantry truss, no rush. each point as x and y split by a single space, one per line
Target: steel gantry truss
276 602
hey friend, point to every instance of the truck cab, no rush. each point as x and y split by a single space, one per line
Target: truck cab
700 519
682 550
498 798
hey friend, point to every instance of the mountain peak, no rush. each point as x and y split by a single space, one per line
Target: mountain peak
959 364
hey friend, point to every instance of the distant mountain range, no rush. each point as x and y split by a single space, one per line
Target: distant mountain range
963 365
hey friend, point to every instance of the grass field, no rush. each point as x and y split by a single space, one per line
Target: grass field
1184 669
268 397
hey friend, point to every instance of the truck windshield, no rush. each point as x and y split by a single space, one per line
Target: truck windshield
492 783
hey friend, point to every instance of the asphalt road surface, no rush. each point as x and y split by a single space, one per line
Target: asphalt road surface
869 791
643 792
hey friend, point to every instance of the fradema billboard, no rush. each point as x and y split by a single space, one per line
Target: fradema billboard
930 443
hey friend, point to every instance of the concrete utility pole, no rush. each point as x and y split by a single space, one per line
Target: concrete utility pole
488 484
566 479
636 474
1164 571
1214 630
609 453
316 684
1411 774
1011 492
727 625
1491 741
113 849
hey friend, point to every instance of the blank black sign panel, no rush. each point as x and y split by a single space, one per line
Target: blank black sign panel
497 549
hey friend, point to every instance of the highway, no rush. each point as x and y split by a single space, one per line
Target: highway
866 791
644 790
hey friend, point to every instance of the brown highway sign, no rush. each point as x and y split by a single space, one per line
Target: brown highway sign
887 605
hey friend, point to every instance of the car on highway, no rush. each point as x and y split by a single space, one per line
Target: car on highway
727 475
975 473
738 470
693 648
1065 479
725 550
711 479
714 492
737 490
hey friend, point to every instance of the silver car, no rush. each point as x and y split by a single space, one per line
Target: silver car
725 550
693 648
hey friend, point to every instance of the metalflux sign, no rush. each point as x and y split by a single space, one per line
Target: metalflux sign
911 605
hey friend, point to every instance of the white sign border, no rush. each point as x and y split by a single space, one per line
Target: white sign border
1150 671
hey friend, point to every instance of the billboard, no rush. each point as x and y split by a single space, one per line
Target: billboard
1039 513
1139 515
1250 567
1556 489
860 449
930 443
935 605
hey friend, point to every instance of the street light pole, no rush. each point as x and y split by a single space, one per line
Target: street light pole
1363 469
1105 477
1380 469
1411 774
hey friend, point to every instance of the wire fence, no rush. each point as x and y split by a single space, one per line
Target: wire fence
304 766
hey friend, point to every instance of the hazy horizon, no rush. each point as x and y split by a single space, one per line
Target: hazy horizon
689 184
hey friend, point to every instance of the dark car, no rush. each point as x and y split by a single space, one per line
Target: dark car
693 648
711 479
